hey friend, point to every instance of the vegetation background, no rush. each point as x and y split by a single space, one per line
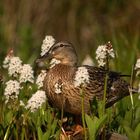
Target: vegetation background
24 24
85 23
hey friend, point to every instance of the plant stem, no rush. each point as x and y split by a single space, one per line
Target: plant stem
104 103
62 111
105 89
131 95
61 122
131 86
83 115
8 129
7 132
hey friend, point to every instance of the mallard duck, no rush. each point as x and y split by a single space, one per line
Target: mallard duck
66 82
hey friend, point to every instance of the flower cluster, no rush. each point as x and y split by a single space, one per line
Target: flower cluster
58 87
22 73
26 74
21 103
54 62
15 68
13 64
6 62
137 67
36 101
11 90
40 79
7 58
47 44
103 52
81 76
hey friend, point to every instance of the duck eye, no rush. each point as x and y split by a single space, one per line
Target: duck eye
61 45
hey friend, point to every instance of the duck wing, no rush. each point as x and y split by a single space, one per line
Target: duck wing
116 89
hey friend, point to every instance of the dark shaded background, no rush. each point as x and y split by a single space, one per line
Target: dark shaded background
85 23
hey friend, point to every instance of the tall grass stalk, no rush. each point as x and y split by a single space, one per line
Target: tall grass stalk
23 134
7 132
83 114
8 129
131 95
104 103
61 122
105 89
131 87
62 111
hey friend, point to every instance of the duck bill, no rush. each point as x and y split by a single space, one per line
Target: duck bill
47 56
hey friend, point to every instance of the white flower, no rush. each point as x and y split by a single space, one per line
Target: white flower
11 90
139 97
88 61
58 87
139 88
81 76
137 65
104 51
54 62
101 52
26 74
111 53
14 66
36 100
101 62
21 103
47 44
6 61
139 91
40 78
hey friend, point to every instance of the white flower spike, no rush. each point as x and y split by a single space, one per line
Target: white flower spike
14 66
47 44
54 62
81 76
6 61
40 79
104 51
26 74
137 65
58 87
11 90
36 101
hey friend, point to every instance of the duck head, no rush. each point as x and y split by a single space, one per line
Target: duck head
61 51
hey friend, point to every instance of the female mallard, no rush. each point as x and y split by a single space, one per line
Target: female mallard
66 82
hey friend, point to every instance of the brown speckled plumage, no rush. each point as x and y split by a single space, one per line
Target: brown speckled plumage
70 97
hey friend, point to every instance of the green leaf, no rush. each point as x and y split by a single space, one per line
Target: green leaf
45 136
94 125
39 133
131 135
137 131
8 117
54 125
91 127
100 123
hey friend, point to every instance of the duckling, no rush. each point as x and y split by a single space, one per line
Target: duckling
66 83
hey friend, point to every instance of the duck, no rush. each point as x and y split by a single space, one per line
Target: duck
66 83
